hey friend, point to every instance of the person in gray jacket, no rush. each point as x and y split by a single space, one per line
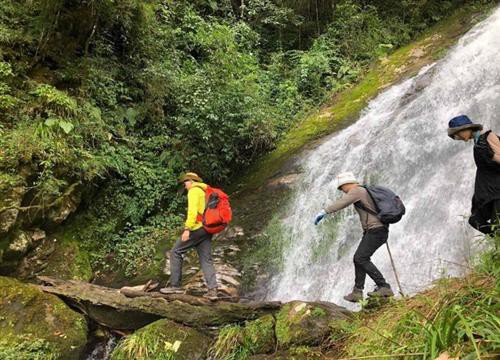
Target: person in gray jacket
375 234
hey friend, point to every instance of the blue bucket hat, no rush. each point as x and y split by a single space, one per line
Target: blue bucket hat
461 122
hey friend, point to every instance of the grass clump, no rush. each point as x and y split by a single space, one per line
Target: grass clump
459 316
229 344
236 342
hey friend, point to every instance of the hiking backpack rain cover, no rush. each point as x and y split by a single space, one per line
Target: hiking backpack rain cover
218 212
389 206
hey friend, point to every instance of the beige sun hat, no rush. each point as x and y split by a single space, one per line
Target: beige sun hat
345 178
190 176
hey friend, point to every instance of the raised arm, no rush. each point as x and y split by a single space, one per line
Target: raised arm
350 198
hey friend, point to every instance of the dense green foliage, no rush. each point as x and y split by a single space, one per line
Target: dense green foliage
120 97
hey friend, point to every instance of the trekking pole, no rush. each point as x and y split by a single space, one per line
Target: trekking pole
394 269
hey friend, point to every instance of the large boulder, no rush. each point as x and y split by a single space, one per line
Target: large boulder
163 339
301 323
33 323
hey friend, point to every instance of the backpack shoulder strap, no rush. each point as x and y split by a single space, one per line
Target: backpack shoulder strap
360 205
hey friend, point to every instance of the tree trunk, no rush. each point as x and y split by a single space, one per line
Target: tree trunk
112 308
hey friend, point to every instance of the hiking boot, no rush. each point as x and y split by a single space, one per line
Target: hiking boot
211 294
382 291
355 296
171 290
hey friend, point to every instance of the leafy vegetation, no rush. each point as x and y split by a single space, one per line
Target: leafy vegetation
28 350
114 99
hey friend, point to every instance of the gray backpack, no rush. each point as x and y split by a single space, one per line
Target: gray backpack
390 208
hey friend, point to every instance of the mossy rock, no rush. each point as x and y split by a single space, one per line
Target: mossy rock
258 335
68 262
33 323
163 339
300 323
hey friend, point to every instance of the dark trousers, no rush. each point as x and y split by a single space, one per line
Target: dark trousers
482 219
202 242
371 241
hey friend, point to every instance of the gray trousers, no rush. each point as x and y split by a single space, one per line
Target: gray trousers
202 241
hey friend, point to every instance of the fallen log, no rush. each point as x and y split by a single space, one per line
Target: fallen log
112 308
190 299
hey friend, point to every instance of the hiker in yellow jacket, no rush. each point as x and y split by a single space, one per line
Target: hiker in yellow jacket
193 236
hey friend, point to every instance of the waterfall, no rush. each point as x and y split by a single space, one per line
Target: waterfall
400 142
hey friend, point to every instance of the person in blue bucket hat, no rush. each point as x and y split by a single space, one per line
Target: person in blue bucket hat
485 211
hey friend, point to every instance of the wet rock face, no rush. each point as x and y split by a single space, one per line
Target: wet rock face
418 86
300 323
163 339
36 323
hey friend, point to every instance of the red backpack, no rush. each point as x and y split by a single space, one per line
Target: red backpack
218 212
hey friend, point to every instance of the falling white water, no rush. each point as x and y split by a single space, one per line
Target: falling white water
400 142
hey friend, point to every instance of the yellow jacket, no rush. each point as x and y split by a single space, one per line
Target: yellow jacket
196 206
